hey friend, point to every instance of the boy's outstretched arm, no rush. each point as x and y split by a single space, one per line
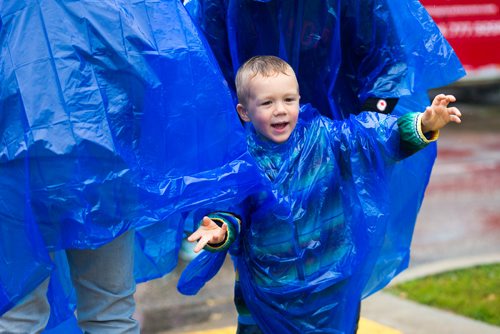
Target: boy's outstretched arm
209 232
438 114
418 129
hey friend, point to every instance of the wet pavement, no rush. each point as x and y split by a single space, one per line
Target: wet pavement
460 215
460 218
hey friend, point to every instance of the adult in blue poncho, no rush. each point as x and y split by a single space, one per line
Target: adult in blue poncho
106 111
303 251
349 55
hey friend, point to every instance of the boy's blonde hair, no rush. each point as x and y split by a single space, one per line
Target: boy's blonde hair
258 65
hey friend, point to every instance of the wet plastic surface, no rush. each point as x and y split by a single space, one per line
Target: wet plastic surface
343 53
116 117
113 116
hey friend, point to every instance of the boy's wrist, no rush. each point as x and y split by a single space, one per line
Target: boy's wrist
423 124
233 227
218 245
412 136
425 134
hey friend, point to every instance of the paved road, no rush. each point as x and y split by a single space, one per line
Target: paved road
460 217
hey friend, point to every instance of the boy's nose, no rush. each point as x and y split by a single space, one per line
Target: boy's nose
280 108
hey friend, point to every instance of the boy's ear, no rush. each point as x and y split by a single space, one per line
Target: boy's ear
242 112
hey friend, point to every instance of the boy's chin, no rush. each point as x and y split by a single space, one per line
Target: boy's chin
279 139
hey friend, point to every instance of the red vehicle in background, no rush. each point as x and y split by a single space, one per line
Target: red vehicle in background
473 29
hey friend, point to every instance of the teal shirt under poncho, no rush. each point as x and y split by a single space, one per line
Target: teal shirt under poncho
306 249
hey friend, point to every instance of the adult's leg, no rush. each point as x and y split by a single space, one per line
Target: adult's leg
105 286
30 315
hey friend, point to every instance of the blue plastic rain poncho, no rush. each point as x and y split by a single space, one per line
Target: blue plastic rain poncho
345 53
306 248
113 116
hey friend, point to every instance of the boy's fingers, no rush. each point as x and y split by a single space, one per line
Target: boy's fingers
438 99
198 247
195 236
199 233
206 221
451 98
444 101
455 111
447 99
222 232
201 243
455 115
455 118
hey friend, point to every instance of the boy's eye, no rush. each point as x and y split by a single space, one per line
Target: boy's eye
266 103
290 99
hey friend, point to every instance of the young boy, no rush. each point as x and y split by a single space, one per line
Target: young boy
303 250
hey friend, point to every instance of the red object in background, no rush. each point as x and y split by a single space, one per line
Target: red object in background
473 29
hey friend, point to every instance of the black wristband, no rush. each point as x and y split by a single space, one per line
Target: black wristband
384 106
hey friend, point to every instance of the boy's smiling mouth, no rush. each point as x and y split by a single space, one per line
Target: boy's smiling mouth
279 126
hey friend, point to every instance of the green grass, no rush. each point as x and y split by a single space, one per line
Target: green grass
473 292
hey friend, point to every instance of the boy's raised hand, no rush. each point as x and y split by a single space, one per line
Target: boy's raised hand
437 115
208 232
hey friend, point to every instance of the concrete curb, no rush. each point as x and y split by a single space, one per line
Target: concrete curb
413 318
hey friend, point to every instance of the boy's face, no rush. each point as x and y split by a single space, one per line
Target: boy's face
272 105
